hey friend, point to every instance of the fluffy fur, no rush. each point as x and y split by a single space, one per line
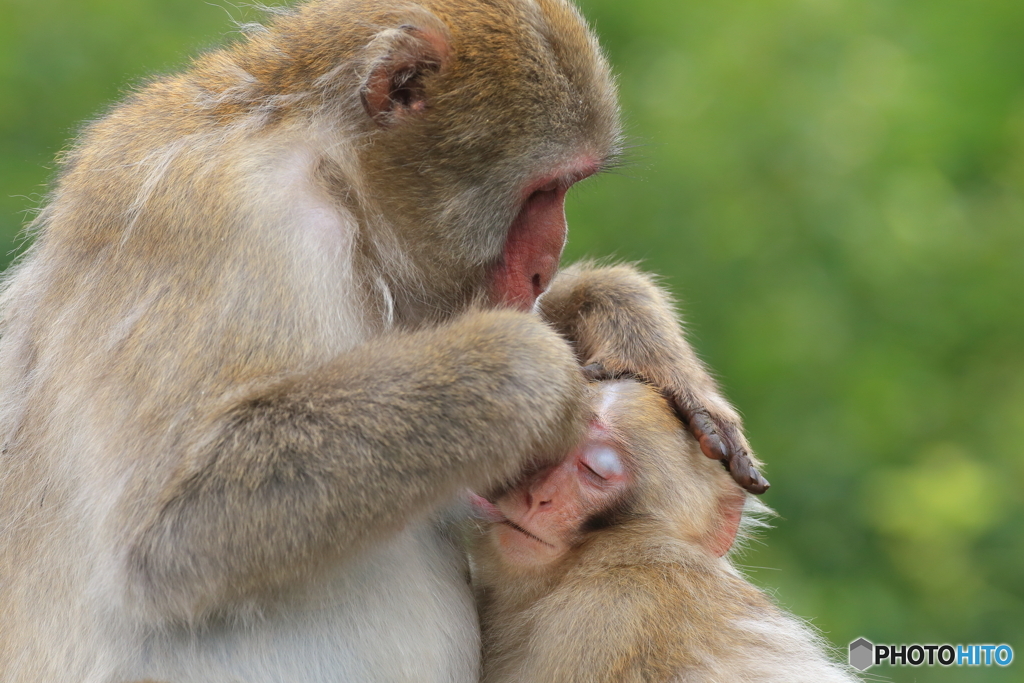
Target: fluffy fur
238 371
643 600
241 369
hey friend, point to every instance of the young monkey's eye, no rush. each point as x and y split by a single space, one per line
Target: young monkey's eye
603 462
591 470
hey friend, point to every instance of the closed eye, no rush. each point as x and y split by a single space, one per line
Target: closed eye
592 473
603 461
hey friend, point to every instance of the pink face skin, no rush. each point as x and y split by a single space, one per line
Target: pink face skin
540 520
536 238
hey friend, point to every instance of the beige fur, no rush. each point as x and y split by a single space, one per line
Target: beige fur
224 444
643 600
244 368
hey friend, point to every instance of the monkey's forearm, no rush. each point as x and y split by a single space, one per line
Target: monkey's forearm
318 465
618 318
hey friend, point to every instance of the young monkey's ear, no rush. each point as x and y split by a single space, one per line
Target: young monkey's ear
730 511
394 85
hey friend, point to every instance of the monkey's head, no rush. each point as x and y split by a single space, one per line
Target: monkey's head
638 471
468 122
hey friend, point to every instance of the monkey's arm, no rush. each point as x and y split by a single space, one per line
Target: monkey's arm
622 323
308 469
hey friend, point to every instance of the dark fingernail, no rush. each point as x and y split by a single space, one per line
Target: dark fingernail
713 447
759 484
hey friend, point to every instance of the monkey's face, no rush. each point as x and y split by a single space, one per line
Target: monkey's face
482 120
535 239
548 514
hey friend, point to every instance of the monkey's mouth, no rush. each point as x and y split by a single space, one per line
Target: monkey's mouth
489 511
523 531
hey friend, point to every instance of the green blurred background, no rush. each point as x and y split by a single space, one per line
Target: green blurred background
835 192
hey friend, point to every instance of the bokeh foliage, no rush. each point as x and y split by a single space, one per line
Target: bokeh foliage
835 192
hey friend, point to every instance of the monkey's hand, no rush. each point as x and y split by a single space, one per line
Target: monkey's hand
622 324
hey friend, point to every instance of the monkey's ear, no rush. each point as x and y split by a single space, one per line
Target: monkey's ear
730 512
394 88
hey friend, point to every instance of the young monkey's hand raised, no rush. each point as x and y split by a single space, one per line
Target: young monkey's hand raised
622 324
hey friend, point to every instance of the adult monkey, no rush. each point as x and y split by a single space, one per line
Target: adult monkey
247 359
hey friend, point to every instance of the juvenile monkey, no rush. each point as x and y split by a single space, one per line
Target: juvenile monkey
609 567
280 309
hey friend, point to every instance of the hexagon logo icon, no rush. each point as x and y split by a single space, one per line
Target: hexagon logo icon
862 654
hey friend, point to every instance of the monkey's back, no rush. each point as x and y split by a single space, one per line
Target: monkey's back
667 612
671 612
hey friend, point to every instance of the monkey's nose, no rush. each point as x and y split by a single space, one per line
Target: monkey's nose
540 497
533 248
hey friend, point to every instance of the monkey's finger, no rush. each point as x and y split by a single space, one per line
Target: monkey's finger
745 474
718 446
596 372
705 430
741 462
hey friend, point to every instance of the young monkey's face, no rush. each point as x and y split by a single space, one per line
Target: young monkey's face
543 517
